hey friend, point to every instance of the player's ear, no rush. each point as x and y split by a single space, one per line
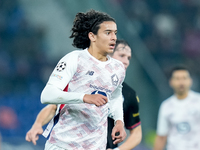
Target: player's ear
91 36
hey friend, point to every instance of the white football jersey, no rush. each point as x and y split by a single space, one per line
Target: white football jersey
180 121
80 125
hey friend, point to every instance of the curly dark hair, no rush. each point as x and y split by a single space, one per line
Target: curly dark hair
85 23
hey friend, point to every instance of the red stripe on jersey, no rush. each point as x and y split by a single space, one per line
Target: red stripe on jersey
62 105
66 88
135 125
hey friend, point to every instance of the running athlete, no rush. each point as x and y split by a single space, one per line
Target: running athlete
122 52
86 85
179 115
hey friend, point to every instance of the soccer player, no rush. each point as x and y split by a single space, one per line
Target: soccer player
122 52
179 115
87 87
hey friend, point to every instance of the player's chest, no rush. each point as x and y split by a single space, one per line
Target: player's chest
103 74
189 113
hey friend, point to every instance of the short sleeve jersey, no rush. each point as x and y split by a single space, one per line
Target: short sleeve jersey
81 125
131 112
179 120
131 107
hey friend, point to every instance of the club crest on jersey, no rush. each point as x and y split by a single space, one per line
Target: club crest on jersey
183 127
115 79
61 66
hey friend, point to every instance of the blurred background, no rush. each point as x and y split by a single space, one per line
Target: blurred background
34 35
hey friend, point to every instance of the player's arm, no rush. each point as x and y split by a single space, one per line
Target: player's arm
116 112
44 116
133 140
132 122
160 142
118 132
162 130
53 95
63 73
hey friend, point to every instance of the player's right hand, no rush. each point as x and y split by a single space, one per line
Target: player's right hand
33 134
118 132
96 99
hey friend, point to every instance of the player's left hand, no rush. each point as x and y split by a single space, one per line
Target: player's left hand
33 134
118 132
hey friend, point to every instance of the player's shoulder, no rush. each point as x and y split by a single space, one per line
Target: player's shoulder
126 87
167 102
194 93
195 96
117 62
129 94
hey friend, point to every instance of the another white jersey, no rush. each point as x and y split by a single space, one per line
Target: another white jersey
180 121
83 126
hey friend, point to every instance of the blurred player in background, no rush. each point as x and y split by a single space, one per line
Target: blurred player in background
122 52
179 115
87 87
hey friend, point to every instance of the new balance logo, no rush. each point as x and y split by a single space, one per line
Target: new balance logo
90 73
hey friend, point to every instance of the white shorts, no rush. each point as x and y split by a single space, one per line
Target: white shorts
50 146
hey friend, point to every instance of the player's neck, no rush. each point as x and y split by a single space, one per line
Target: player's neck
97 54
182 96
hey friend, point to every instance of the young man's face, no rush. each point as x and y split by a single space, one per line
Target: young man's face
123 54
181 81
106 37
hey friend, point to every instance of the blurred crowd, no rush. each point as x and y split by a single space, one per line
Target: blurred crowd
22 65
170 30
21 49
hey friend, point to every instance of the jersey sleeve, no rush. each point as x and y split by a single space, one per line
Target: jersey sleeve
116 105
62 74
131 115
64 71
162 123
116 101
